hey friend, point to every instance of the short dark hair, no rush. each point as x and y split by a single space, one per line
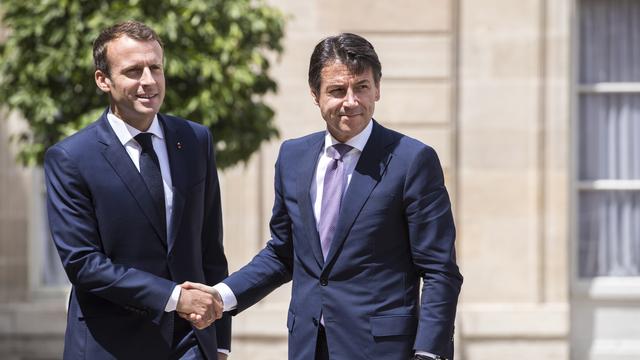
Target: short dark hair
352 50
133 29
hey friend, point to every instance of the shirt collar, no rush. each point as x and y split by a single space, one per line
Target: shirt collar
357 142
126 132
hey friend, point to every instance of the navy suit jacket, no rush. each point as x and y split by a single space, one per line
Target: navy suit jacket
395 228
120 261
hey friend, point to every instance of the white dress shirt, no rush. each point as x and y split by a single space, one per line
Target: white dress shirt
350 159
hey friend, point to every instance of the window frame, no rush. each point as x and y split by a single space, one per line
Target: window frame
607 288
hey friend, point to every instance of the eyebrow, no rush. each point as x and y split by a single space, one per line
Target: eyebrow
131 67
139 66
341 83
335 85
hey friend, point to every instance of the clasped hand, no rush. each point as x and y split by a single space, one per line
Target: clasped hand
199 304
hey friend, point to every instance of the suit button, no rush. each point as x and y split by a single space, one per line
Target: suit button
315 322
324 282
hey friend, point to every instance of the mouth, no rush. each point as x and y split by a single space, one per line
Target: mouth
350 115
146 96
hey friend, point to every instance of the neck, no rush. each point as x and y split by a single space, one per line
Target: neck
140 123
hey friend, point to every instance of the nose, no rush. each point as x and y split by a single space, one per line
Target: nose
350 98
146 78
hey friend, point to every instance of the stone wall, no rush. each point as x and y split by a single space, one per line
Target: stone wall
486 82
513 185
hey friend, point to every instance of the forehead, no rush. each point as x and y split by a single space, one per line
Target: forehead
125 50
337 72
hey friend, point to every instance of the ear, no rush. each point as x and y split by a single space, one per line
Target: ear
378 91
316 99
103 81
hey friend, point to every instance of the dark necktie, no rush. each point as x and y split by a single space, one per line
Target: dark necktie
334 185
150 171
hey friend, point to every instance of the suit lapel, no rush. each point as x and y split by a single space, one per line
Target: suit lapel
368 172
121 163
178 150
306 173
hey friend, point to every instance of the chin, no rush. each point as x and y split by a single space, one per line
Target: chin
345 126
144 110
351 125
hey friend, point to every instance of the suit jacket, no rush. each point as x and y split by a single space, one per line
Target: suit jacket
110 237
395 227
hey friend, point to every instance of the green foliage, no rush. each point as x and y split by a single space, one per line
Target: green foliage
216 62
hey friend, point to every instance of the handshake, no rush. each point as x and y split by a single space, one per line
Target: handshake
199 304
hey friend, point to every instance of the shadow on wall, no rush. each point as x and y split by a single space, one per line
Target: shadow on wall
15 185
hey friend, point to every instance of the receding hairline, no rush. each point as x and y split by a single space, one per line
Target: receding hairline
124 35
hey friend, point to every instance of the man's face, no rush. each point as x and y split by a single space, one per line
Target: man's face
346 100
136 83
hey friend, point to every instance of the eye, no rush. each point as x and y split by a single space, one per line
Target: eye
133 72
336 91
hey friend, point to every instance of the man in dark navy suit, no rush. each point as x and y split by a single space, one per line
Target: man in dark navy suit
361 215
134 211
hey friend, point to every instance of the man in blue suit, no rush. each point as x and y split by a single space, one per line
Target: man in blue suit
134 211
361 214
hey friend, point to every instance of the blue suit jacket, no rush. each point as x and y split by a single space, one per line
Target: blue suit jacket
395 227
121 262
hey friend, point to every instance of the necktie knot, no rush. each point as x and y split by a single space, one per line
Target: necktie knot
144 139
337 151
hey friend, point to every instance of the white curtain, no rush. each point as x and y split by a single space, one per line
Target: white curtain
609 230
609 135
609 41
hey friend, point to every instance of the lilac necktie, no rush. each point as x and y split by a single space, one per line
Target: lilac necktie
334 184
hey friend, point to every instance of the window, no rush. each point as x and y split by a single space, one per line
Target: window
608 186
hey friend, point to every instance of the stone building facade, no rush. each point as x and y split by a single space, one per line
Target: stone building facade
492 86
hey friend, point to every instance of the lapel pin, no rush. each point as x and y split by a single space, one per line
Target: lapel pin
179 145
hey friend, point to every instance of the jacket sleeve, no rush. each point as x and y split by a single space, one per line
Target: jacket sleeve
75 232
432 237
213 258
273 265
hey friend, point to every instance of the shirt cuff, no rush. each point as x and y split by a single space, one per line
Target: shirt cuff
172 304
426 354
224 351
229 301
